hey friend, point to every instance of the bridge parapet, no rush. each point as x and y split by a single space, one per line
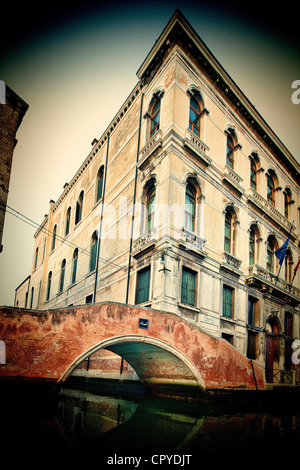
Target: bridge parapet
162 348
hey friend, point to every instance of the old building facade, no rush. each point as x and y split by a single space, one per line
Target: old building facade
180 206
12 111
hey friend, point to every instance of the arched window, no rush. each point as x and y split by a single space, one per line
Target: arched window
190 207
49 285
74 265
230 149
62 275
99 187
251 246
289 266
253 174
194 117
228 235
155 117
270 254
31 298
93 253
54 237
151 193
287 202
79 207
36 258
68 220
270 190
230 230
254 236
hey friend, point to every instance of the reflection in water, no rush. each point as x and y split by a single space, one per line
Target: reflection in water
103 423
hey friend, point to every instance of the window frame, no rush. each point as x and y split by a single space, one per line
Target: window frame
270 190
93 252
68 221
74 266
228 307
188 286
62 275
100 179
49 281
143 275
79 208
154 112
193 127
190 216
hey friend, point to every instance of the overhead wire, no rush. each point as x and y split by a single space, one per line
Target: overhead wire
10 210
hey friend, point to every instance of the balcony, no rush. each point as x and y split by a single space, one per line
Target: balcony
264 206
233 179
144 243
199 148
231 263
268 282
192 242
151 146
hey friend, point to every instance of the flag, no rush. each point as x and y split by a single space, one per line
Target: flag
295 270
281 252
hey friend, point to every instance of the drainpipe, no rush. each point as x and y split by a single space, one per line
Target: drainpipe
101 218
134 198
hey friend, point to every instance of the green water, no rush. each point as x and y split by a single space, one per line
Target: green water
89 428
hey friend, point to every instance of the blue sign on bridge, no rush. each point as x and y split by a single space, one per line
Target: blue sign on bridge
143 323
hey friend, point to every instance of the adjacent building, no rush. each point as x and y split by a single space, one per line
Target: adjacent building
180 206
12 111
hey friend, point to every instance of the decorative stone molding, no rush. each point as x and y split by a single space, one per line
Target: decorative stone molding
199 148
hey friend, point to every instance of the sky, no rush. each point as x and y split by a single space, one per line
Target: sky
75 63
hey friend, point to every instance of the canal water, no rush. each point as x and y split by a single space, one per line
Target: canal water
134 429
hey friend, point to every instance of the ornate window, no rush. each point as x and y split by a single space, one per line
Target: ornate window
151 193
62 275
93 253
194 117
270 190
228 232
287 202
190 207
74 265
289 266
32 295
230 149
99 186
68 220
49 285
54 237
230 227
36 258
79 208
155 117
251 246
253 174
270 253
254 235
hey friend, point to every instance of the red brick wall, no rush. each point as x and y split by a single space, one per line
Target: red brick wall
45 344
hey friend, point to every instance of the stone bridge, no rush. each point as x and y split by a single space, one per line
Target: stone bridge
161 347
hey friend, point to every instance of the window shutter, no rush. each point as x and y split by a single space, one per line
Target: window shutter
143 286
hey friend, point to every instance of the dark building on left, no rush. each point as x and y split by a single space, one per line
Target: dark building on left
12 111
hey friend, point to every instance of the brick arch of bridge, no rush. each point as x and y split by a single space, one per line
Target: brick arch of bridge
154 360
44 344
